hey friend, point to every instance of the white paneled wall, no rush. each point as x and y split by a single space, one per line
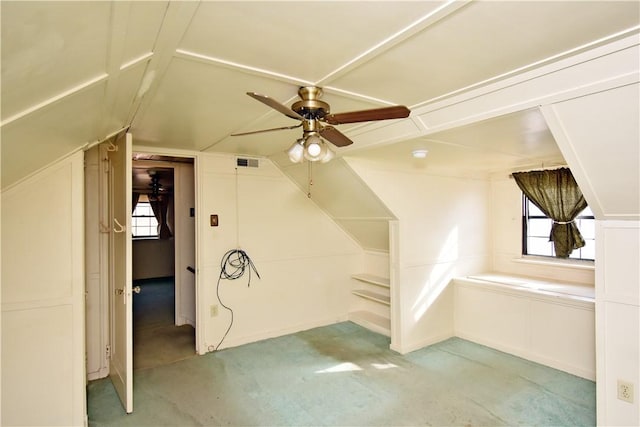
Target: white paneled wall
557 331
598 134
43 359
618 314
304 259
443 232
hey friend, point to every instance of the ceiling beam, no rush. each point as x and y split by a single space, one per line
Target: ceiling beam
174 25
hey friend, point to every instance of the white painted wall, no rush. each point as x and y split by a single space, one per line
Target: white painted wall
598 134
552 329
443 233
618 314
43 342
304 259
184 243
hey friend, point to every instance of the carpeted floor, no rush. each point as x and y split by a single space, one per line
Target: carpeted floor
345 375
156 339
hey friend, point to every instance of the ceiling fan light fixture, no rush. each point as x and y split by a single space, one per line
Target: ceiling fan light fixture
314 148
296 151
329 156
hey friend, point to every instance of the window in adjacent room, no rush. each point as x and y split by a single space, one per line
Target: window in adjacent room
536 227
143 221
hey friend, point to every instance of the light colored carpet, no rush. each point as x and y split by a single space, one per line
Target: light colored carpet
344 375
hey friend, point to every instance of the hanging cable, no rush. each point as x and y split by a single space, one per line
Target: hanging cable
233 266
237 214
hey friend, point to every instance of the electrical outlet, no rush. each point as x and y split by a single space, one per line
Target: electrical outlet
214 310
625 391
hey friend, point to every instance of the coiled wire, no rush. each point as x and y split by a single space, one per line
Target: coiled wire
233 265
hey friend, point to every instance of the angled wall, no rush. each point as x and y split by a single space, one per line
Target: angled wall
599 135
43 363
343 195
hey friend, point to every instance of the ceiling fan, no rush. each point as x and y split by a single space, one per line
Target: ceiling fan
157 189
316 120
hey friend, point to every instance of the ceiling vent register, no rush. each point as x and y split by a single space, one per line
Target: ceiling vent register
247 163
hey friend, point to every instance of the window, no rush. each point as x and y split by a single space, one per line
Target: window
143 221
536 227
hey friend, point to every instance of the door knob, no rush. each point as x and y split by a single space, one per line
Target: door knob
136 289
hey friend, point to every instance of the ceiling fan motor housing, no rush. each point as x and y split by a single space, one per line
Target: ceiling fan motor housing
310 106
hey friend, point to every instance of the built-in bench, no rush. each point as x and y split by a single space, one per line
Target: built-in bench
548 322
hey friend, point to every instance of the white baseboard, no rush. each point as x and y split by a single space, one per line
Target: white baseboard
96 375
247 339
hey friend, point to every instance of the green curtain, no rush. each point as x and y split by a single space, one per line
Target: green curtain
556 193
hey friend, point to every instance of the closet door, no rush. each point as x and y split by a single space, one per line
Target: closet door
120 283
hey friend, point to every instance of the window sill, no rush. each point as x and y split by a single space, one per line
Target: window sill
550 262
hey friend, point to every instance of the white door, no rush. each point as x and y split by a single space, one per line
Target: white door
121 361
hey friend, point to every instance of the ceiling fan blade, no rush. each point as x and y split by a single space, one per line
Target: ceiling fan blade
276 105
395 112
266 130
335 137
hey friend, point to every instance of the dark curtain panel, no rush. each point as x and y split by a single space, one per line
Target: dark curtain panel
134 201
171 220
556 193
159 206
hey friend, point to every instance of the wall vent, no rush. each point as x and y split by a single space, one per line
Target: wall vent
247 163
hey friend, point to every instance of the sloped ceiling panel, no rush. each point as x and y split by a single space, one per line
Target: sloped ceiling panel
54 47
483 40
601 143
145 18
346 198
197 111
339 200
48 134
305 40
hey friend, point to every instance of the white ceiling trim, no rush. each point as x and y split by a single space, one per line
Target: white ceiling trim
136 61
414 28
544 66
541 86
209 60
553 82
55 99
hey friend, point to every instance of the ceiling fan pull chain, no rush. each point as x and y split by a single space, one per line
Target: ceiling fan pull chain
310 179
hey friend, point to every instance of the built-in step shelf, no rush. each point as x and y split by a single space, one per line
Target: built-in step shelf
372 322
371 279
373 296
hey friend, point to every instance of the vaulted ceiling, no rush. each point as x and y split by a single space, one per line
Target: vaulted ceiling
176 73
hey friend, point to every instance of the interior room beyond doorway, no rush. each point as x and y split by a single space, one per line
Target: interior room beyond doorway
163 250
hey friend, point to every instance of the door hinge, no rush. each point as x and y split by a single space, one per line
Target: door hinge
108 351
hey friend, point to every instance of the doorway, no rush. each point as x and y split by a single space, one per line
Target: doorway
163 258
